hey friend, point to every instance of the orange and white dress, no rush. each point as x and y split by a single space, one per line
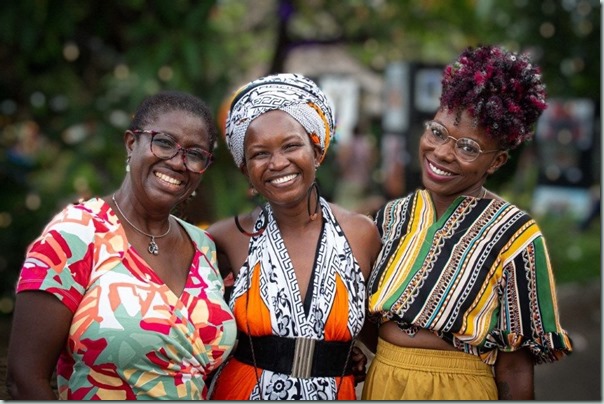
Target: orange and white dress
333 310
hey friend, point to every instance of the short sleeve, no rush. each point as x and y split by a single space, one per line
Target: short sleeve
60 260
529 314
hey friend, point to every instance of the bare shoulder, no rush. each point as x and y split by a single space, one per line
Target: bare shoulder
362 234
231 244
221 229
353 221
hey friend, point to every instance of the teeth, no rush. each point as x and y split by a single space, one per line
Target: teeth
167 179
281 180
438 171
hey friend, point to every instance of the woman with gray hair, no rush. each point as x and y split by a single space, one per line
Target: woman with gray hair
300 262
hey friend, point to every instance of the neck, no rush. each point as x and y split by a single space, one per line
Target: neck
295 218
147 221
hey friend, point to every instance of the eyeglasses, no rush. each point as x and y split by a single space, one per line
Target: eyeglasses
163 146
466 149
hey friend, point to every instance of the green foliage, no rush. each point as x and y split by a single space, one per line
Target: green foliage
73 72
575 254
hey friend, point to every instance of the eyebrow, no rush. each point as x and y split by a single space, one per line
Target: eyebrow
194 146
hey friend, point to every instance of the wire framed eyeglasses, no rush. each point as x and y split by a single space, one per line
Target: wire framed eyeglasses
165 147
466 149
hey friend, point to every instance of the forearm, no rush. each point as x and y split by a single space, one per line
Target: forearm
369 335
514 375
30 389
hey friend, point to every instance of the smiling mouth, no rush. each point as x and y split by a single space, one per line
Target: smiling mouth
168 179
283 179
438 171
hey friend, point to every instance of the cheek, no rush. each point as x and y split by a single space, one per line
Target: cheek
253 171
423 146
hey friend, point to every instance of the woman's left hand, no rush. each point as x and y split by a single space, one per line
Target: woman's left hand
359 363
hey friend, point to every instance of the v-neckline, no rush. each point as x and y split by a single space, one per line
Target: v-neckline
305 302
153 276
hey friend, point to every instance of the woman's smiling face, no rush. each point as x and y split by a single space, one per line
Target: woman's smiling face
167 181
444 172
279 158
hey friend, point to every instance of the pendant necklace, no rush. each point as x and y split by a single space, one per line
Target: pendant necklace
153 248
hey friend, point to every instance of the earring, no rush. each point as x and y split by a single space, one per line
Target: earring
253 191
128 164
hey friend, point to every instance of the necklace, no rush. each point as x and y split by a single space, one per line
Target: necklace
153 247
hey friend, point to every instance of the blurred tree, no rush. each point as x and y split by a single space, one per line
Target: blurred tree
73 71
72 74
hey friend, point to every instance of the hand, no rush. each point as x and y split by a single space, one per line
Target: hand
359 362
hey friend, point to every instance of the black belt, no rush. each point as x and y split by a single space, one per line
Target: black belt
297 357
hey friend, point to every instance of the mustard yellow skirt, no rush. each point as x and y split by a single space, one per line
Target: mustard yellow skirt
398 373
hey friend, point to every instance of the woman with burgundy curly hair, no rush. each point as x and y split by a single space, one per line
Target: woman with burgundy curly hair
463 290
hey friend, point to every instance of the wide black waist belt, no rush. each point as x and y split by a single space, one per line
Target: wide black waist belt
297 357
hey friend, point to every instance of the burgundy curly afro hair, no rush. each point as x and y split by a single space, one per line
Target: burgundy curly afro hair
502 91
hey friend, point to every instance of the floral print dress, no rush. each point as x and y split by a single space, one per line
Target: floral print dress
131 337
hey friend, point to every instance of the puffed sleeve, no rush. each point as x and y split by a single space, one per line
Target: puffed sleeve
61 259
528 314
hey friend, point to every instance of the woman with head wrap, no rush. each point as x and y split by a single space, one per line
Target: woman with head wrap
300 262
463 290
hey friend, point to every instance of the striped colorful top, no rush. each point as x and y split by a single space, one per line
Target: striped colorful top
479 277
131 337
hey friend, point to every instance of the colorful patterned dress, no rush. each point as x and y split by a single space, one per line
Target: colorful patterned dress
131 337
334 312
479 277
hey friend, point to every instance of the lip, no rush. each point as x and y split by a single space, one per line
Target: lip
283 180
437 172
168 179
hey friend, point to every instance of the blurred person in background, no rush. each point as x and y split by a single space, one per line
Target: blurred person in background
463 291
355 159
300 262
124 299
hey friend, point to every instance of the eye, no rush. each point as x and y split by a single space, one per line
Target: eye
292 146
439 133
468 146
197 154
260 154
164 141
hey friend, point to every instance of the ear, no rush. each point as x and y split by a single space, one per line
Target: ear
244 171
129 140
318 155
498 162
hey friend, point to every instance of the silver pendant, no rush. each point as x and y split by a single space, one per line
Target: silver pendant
153 248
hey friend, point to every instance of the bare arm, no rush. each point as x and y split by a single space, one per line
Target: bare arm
231 245
514 375
40 327
369 335
363 237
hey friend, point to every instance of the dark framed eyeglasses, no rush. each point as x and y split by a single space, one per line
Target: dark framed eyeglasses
165 147
466 149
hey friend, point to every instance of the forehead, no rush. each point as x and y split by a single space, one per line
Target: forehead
181 123
272 126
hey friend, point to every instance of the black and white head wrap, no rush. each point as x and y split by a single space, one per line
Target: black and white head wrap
293 93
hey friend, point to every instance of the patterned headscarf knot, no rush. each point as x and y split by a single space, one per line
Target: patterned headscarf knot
293 93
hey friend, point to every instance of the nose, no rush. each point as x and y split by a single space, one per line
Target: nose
179 159
278 161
